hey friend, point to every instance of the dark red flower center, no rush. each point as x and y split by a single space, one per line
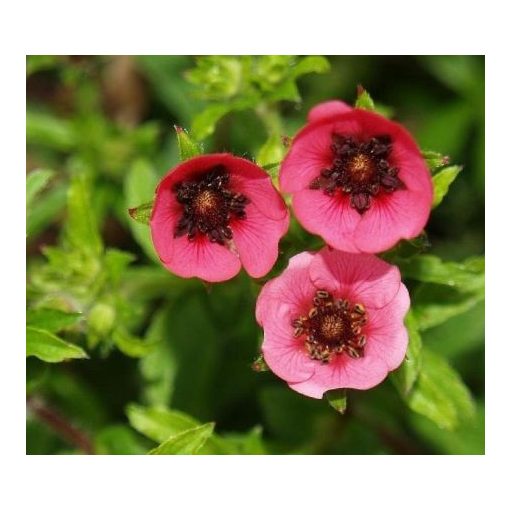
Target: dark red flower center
359 169
208 206
332 327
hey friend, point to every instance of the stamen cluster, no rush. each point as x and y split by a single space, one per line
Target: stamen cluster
359 169
208 206
332 326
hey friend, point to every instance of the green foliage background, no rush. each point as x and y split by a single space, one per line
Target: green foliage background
125 358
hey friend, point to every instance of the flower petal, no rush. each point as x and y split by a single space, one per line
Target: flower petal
292 288
387 336
331 217
256 239
359 278
201 258
250 180
327 109
284 354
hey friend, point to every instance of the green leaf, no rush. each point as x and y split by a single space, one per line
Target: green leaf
158 423
142 213
259 365
250 443
130 345
119 440
116 262
205 122
159 367
36 182
139 188
440 394
48 347
405 377
45 209
47 130
188 442
188 148
51 320
466 276
435 304
442 180
337 400
271 154
364 101
81 229
435 160
311 64
467 439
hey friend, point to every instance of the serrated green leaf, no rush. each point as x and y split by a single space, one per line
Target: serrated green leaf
405 377
51 320
440 394
81 229
286 91
364 101
337 400
142 213
188 148
311 64
36 182
50 348
442 181
435 160
158 423
466 276
116 262
139 188
205 122
435 304
188 442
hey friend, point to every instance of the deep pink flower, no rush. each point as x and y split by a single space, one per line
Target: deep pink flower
214 213
357 179
334 320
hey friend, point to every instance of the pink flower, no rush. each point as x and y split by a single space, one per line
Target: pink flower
357 179
333 320
214 213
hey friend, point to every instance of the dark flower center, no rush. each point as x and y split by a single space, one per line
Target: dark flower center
332 327
208 206
359 169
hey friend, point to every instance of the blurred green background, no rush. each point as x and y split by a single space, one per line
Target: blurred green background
166 353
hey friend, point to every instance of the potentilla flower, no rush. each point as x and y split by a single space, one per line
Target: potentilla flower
214 213
334 320
357 179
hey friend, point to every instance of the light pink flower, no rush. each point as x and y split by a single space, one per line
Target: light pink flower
333 320
357 179
214 213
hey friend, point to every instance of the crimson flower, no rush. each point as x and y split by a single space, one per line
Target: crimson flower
333 320
214 213
357 179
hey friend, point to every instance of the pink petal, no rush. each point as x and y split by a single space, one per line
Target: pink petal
256 239
327 109
343 372
165 215
360 278
399 215
284 354
293 288
201 258
309 154
387 336
250 180
331 217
